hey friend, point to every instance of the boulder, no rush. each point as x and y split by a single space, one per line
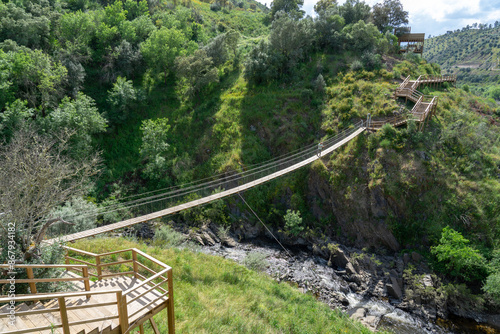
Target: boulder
406 258
350 269
416 257
394 289
358 313
338 258
229 242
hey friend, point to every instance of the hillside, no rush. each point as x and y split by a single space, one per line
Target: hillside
472 54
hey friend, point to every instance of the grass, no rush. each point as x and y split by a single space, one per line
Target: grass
215 295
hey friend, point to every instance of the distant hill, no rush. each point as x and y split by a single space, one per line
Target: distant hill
472 53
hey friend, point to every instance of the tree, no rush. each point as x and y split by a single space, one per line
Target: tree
14 118
197 71
36 169
354 10
32 76
458 258
291 7
361 36
291 39
322 5
23 27
232 39
121 97
389 14
217 50
161 49
329 29
293 222
123 60
81 118
154 148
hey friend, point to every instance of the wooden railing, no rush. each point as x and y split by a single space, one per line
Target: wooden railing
95 265
62 308
32 281
438 78
137 260
416 83
375 124
405 81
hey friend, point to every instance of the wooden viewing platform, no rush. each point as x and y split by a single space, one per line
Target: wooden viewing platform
115 303
408 41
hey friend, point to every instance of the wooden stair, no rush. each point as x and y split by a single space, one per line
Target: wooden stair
116 302
150 302
425 106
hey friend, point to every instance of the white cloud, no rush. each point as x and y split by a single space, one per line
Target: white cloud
435 17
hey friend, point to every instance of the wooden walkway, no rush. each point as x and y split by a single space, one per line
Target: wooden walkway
115 304
425 105
208 199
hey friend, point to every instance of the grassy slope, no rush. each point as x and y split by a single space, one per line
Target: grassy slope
215 295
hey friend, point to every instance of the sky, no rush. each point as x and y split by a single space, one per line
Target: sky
435 17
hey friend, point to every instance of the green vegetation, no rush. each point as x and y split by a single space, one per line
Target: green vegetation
472 53
218 295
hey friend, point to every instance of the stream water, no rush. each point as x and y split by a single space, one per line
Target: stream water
312 275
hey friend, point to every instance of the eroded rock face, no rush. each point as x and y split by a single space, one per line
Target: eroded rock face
361 216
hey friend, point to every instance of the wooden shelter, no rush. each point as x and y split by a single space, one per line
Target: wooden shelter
408 41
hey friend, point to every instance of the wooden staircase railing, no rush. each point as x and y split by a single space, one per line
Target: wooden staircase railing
32 280
62 308
159 281
137 260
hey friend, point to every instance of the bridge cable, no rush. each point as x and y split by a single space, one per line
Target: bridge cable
268 230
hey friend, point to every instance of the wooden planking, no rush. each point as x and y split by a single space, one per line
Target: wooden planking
208 199
145 307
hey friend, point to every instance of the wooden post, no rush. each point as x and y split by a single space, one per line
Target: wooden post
170 305
86 282
64 315
29 271
98 267
136 267
141 329
121 303
155 328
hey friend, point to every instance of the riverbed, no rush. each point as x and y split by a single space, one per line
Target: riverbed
311 274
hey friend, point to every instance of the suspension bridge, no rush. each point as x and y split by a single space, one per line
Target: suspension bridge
226 185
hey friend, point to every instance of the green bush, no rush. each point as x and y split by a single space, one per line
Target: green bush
255 261
78 211
456 258
356 65
166 236
492 286
293 222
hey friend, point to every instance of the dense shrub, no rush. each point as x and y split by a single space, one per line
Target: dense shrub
457 258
